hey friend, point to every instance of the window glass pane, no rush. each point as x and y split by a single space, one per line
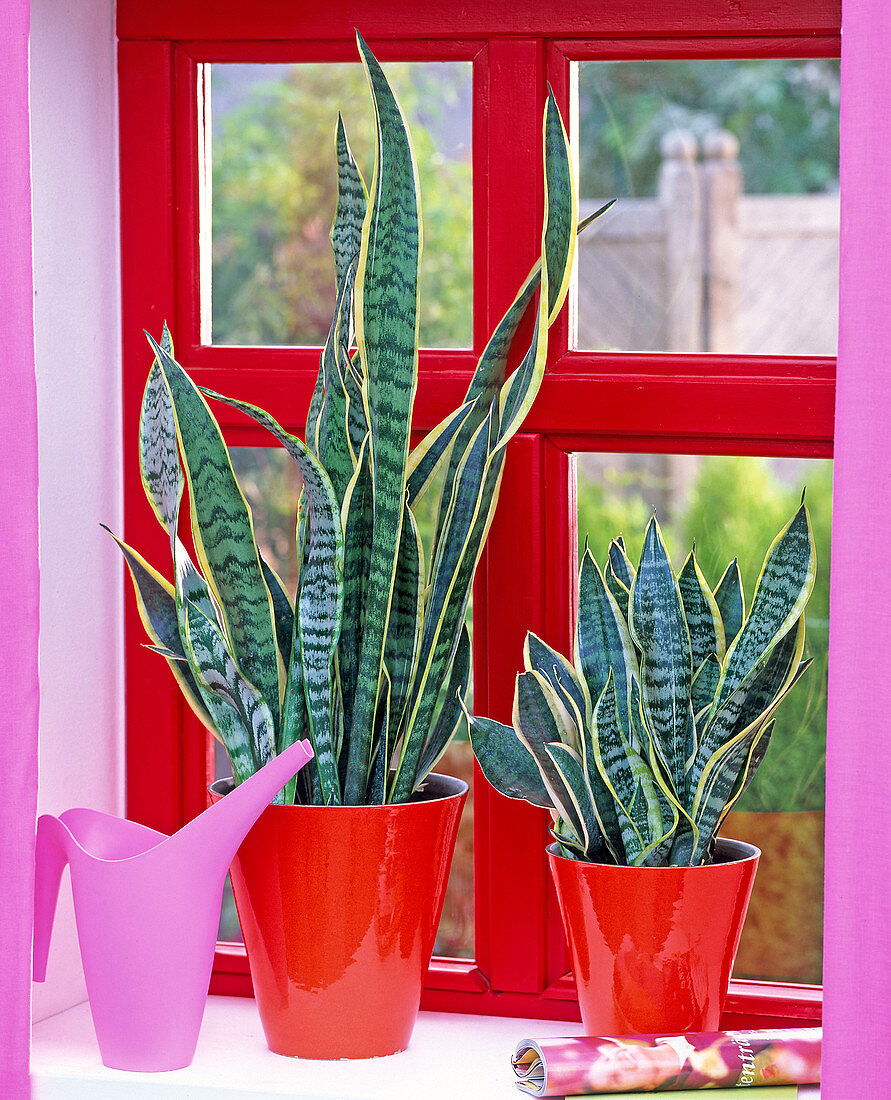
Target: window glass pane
734 507
271 484
274 191
725 235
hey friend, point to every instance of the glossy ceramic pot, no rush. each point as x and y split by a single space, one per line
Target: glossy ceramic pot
653 947
339 906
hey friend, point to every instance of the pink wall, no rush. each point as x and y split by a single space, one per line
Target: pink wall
19 590
857 970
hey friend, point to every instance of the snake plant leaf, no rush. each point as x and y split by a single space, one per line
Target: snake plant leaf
406 615
558 250
223 534
357 518
560 234
191 588
536 727
454 563
620 593
759 750
159 465
283 610
617 767
538 656
768 681
156 604
730 601
333 447
346 237
569 765
319 604
603 642
748 708
377 781
386 332
352 205
657 624
489 375
244 720
701 612
705 683
506 762
723 773
783 588
427 458
452 713
618 563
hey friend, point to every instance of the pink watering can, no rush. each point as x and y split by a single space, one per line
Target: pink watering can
147 908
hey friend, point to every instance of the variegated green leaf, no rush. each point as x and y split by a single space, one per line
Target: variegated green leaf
506 762
319 606
618 563
538 656
603 642
536 727
783 588
352 205
406 612
705 683
223 534
730 601
357 517
569 765
617 768
386 332
701 612
283 610
156 604
451 714
771 678
159 465
658 627
247 729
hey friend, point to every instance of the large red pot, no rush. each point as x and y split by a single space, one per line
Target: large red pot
653 947
339 906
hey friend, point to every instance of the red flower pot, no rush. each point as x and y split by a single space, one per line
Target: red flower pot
339 906
653 947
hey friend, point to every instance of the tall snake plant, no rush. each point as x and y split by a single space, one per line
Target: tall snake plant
641 746
370 655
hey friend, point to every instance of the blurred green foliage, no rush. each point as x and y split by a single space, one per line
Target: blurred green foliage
784 113
735 508
274 192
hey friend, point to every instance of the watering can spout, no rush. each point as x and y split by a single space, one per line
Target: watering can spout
219 831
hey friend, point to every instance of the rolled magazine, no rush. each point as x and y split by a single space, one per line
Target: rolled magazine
603 1065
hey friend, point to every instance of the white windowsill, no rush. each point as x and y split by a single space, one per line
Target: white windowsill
450 1055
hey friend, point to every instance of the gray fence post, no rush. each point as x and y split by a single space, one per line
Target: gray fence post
722 190
681 202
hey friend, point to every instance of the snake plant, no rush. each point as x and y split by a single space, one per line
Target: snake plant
370 654
642 744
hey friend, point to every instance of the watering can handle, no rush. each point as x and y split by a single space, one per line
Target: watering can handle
51 858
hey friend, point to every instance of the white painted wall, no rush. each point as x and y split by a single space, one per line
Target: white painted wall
77 319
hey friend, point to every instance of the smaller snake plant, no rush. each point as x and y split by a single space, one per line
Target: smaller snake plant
641 746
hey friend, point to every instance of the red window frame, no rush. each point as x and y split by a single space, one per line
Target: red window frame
685 403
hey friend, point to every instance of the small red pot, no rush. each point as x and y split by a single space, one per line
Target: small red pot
339 906
653 947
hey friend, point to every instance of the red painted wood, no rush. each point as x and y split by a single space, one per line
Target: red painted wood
516 560
272 19
154 707
622 402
